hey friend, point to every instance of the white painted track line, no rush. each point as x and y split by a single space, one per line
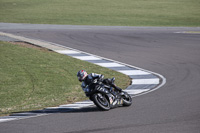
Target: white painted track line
134 72
136 91
67 52
76 105
7 119
145 81
85 102
86 57
109 65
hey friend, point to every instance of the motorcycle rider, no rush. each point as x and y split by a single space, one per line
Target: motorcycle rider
87 79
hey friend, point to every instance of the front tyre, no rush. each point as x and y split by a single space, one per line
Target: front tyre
101 101
127 99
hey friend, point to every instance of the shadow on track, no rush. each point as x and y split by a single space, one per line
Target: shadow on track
52 111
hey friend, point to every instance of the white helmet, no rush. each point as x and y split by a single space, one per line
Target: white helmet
82 74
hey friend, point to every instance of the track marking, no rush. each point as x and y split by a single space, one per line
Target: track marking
7 119
189 32
109 65
145 81
67 52
86 57
138 91
134 72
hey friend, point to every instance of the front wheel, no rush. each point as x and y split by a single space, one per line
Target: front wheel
127 99
101 101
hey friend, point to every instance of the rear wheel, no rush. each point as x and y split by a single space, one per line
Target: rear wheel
101 101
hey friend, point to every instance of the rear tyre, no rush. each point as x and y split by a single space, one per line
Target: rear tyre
101 101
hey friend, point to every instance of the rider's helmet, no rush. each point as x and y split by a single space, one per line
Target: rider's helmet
82 74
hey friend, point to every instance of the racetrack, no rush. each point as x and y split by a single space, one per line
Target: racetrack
173 108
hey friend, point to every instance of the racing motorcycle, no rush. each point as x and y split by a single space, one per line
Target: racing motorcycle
105 97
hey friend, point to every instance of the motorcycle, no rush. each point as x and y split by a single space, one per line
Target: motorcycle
105 97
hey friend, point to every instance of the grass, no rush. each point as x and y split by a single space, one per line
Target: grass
36 78
102 12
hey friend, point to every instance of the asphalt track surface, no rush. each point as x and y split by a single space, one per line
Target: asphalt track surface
174 108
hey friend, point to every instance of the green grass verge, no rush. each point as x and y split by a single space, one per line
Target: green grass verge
36 78
102 12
